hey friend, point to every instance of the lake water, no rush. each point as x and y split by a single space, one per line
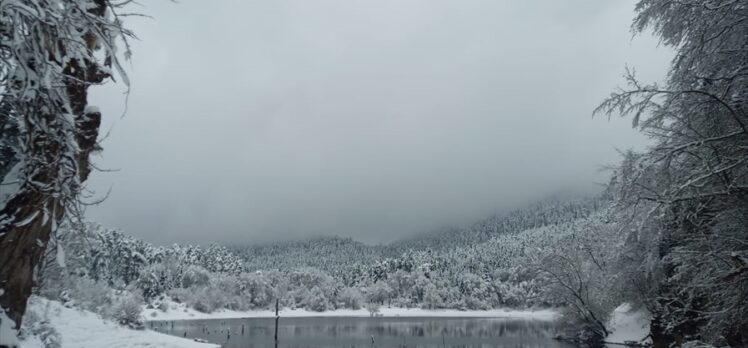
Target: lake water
358 332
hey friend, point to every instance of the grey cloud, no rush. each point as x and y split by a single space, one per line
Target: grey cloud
250 121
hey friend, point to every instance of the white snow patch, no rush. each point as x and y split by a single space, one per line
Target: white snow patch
32 342
7 332
83 329
627 324
178 311
10 184
60 255
91 109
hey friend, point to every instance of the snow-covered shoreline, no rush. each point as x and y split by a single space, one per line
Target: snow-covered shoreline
180 312
82 329
627 324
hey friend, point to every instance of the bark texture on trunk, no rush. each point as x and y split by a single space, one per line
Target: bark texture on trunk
27 228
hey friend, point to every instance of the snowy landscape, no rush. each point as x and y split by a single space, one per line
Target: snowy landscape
495 268
337 173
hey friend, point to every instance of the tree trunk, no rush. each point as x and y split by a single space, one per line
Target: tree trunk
21 248
24 228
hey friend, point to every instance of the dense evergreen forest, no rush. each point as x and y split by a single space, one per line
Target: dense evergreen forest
485 267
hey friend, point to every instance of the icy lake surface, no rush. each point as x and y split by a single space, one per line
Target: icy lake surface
358 332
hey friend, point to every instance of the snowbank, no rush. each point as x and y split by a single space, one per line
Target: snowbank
627 324
7 333
82 329
181 312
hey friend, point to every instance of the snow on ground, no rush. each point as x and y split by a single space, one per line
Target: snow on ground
627 324
7 333
82 329
181 312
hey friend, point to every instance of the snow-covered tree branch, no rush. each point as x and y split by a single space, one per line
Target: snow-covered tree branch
51 52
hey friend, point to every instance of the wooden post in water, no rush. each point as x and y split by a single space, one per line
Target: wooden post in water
276 321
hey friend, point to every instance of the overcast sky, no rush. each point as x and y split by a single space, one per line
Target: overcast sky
252 121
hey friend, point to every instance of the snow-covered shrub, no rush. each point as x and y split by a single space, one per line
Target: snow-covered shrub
212 291
232 290
431 298
378 292
35 325
88 294
316 300
350 298
257 288
126 310
192 297
311 288
47 334
163 306
180 295
206 299
373 308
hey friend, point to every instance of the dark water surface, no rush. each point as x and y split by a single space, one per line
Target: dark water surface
317 332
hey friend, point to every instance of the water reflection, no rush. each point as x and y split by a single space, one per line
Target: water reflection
369 332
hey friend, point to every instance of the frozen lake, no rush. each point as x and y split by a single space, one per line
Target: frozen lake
308 332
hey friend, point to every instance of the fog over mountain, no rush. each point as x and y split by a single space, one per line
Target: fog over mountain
375 120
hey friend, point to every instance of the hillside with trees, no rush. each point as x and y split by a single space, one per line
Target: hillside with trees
320 274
